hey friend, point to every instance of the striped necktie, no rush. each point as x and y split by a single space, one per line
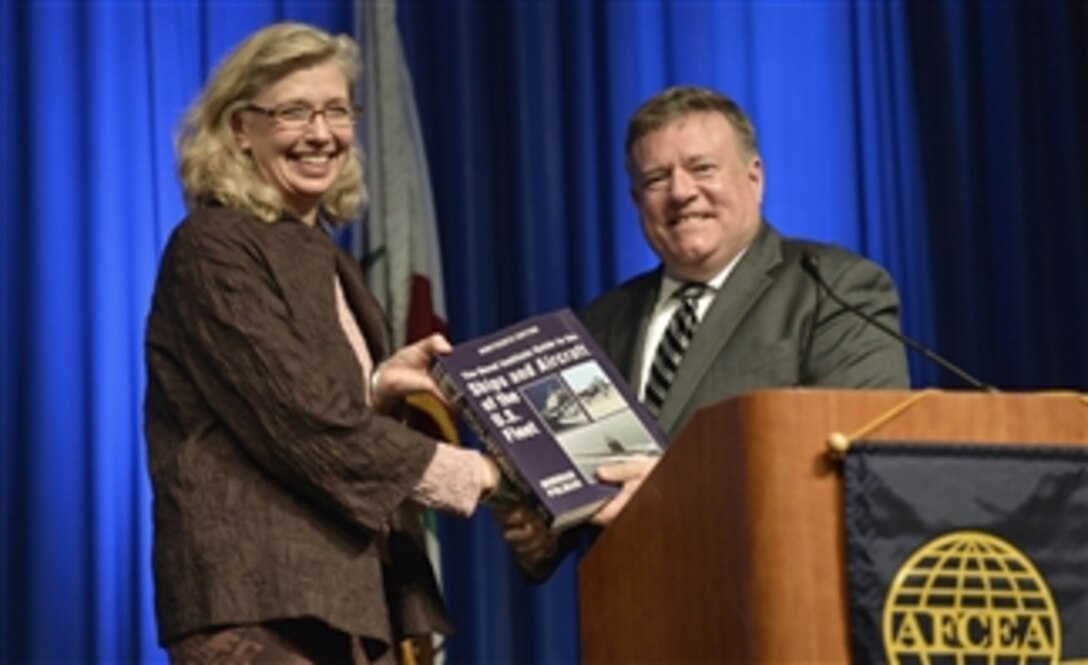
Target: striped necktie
673 344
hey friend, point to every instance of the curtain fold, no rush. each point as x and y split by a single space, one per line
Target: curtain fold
92 94
1002 93
948 141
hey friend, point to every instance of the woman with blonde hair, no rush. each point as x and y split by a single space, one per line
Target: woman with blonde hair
286 491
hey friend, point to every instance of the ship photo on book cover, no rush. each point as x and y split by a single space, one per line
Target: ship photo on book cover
550 407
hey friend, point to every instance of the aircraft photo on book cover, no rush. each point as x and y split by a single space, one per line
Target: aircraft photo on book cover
589 418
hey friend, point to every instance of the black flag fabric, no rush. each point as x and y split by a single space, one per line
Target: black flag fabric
965 554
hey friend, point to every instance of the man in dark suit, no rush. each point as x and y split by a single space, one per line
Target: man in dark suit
759 320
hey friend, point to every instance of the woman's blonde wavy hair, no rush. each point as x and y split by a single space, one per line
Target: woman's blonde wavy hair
211 166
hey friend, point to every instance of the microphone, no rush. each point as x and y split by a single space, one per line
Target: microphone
811 266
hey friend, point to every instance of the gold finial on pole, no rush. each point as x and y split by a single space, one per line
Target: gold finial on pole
838 444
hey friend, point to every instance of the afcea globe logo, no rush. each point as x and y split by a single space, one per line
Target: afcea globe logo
970 597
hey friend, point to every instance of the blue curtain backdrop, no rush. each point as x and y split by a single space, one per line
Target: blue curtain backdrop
948 141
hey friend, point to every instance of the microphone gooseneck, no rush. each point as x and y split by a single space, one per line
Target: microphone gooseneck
811 265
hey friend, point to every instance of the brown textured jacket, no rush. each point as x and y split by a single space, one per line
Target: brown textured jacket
277 492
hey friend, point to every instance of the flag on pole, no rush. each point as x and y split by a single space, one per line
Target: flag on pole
399 247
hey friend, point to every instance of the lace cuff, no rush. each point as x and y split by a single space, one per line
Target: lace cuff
453 481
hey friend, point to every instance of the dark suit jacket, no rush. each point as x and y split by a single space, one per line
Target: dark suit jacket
769 326
277 492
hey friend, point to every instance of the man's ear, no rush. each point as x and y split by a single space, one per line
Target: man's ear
755 177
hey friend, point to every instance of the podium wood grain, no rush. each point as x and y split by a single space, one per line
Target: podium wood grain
733 550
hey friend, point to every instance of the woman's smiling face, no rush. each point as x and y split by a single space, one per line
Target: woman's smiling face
301 160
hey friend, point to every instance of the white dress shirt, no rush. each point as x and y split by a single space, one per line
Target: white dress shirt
664 309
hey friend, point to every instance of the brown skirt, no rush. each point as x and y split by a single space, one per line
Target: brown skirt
286 642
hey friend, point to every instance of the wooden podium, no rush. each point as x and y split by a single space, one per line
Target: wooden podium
733 550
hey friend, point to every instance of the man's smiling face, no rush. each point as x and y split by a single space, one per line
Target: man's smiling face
698 194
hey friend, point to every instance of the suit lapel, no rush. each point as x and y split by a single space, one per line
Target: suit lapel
748 281
621 326
629 328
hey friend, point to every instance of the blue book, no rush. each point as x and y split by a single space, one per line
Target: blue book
549 407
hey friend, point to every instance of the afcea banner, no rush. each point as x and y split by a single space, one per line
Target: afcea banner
961 554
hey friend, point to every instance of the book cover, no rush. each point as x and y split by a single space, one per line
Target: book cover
550 407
